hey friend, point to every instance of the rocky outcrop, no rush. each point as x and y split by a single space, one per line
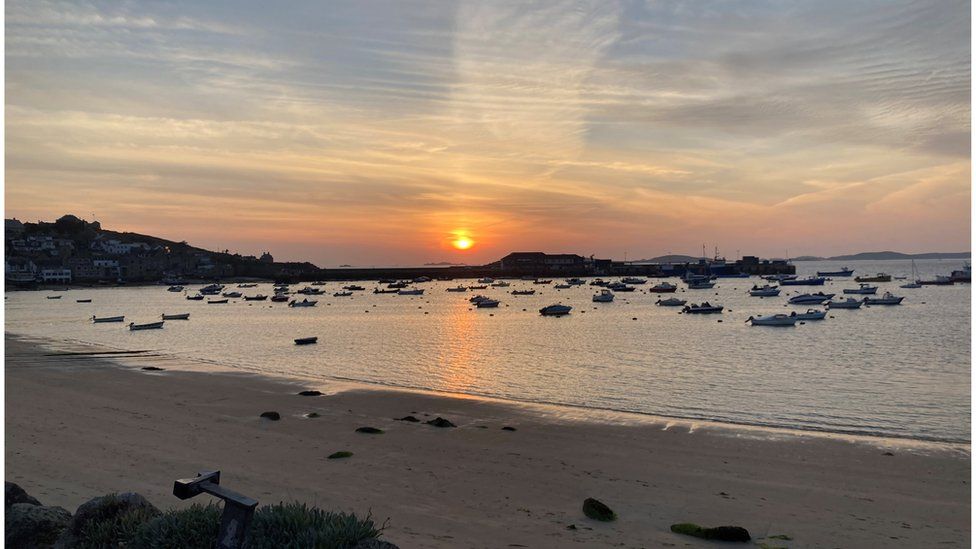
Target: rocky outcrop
409 419
440 422
29 526
273 416
597 510
369 430
102 509
719 533
12 493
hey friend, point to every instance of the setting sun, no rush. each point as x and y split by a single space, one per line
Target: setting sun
462 243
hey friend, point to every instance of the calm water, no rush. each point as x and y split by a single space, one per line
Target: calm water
901 371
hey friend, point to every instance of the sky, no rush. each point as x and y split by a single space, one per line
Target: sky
395 132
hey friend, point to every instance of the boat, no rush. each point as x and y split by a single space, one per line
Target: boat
779 277
962 275
83 301
386 291
538 281
808 281
387 281
563 286
481 287
773 320
247 285
939 280
605 296
197 297
500 284
54 297
341 294
108 319
705 308
633 280
486 280
700 284
232 294
844 271
620 287
181 316
815 299
216 301
599 282
863 289
259 297
663 288
303 303
765 291
914 283
555 310
306 340
458 289
478 298
175 289
281 289
811 314
353 288
880 277
487 303
411 291
308 290
671 302
886 299
849 303
523 292
148 326
732 275
211 289
279 298
420 279
576 281
397 285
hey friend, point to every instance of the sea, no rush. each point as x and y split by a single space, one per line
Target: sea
886 371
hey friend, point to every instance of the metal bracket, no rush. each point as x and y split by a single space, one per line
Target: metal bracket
238 508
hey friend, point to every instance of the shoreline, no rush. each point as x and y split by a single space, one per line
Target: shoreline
558 410
79 426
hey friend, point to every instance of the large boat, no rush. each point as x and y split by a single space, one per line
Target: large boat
811 314
962 275
939 280
809 281
863 289
842 272
764 291
605 296
886 299
705 308
815 299
773 320
149 326
180 316
303 303
411 291
880 277
97 320
663 288
555 310
849 303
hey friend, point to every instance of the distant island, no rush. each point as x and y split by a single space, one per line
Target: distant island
444 264
885 256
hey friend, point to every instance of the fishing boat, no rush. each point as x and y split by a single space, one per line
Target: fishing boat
197 297
303 303
523 292
458 289
811 314
863 289
500 284
764 291
181 316
539 281
279 298
487 303
620 287
842 272
880 277
385 291
411 291
481 287
849 303
663 288
306 340
780 277
886 299
773 320
939 280
353 288
259 297
341 294
108 319
808 281
671 302
605 296
555 310
232 294
705 308
633 280
54 297
700 284
175 289
216 301
914 283
962 275
815 299
562 286
82 301
148 326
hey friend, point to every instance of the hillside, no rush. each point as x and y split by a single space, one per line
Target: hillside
885 256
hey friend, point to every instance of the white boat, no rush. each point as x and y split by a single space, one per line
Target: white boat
863 289
605 296
108 319
811 314
501 284
815 299
412 291
914 283
555 310
181 316
773 320
663 288
303 303
148 326
620 287
487 303
765 291
671 302
232 294
458 289
486 280
247 285
599 282
849 303
700 284
886 299
705 308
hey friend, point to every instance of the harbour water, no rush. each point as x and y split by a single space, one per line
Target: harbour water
899 371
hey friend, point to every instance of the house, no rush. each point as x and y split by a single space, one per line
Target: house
19 270
539 261
56 275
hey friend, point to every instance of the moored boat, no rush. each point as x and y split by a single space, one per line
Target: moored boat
303 303
663 288
811 314
841 272
54 297
232 294
180 316
175 289
764 291
815 299
386 291
633 280
148 326
808 281
886 299
671 302
306 340
353 288
605 296
479 287
216 301
487 303
411 291
620 287
705 308
83 301
259 297
700 284
108 319
863 289
555 310
962 275
458 289
197 297
939 280
279 298
523 292
560 286
500 284
880 277
773 320
340 294
539 281
849 303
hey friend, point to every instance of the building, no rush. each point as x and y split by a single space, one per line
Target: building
19 270
56 275
266 257
539 261
12 228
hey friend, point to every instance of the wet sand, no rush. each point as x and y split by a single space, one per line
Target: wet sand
78 426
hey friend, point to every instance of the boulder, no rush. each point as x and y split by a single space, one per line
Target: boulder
369 430
12 493
310 393
719 533
597 510
273 416
104 508
152 368
440 422
29 526
340 454
411 419
507 428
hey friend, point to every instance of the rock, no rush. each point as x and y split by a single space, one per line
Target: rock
369 430
12 493
374 543
440 422
100 509
411 419
888 454
29 526
597 510
507 428
273 416
719 533
571 527
312 415
152 368
339 455
310 393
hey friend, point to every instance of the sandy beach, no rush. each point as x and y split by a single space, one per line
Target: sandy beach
82 425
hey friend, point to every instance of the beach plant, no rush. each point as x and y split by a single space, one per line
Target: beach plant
194 527
296 525
115 531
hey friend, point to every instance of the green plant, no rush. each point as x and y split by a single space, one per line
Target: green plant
296 525
195 527
114 531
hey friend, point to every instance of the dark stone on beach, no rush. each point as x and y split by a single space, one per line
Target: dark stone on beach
571 527
507 428
440 422
411 419
30 526
719 533
339 455
310 393
887 454
373 543
12 493
369 430
152 368
597 510
311 415
273 416
102 509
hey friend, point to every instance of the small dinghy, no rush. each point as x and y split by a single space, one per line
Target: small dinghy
149 326
811 314
54 297
886 299
216 301
306 340
773 320
198 297
82 301
814 299
259 297
671 302
605 296
555 310
705 308
303 303
849 303
108 319
181 316
487 303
